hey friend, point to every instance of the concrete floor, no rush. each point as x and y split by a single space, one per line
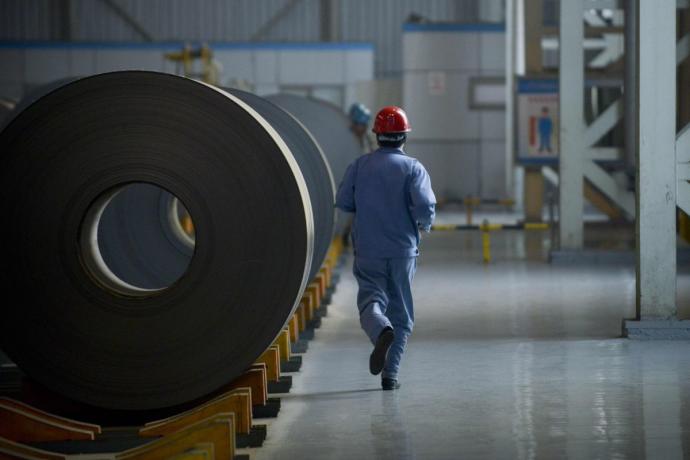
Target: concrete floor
515 360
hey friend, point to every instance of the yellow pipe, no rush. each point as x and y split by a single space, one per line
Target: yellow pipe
443 227
536 226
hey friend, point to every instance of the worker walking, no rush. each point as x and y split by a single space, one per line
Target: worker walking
359 124
391 198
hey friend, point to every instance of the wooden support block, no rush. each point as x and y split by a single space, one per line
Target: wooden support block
329 275
218 430
214 435
320 280
293 326
22 426
302 315
254 378
238 401
334 253
313 290
283 344
337 247
9 402
310 310
271 358
202 451
14 450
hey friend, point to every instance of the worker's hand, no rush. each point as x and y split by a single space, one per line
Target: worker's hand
424 228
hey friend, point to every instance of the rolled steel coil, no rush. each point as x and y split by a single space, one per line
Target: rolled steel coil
314 166
137 233
330 127
6 107
93 339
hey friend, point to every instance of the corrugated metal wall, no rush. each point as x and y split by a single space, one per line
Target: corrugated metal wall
375 21
380 22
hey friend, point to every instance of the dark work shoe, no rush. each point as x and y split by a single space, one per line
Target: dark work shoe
378 357
389 384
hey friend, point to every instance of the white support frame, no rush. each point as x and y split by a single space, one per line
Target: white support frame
656 160
571 81
683 138
683 169
578 142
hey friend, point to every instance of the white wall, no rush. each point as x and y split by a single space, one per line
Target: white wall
462 147
330 70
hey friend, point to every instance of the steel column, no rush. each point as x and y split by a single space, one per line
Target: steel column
571 102
656 159
510 94
630 94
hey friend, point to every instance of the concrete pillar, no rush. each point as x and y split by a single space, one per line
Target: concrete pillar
656 160
571 106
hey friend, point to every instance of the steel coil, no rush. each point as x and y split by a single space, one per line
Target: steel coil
6 107
330 127
65 157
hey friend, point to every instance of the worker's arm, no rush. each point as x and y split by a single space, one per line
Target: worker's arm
345 199
423 201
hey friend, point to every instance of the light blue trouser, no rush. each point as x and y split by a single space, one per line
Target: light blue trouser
385 300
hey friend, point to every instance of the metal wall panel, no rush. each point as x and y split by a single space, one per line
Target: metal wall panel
297 67
380 22
12 69
463 146
29 20
442 51
493 169
492 125
237 65
358 63
453 167
113 60
440 114
44 66
82 62
493 53
376 21
266 67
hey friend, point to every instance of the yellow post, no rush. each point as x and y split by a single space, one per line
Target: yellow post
486 241
468 202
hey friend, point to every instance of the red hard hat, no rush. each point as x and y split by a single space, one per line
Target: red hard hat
391 119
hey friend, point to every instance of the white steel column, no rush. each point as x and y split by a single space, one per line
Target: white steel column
510 94
656 160
571 102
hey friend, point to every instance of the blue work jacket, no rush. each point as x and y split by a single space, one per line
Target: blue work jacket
391 197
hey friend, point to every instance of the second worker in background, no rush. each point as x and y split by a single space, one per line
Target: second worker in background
391 197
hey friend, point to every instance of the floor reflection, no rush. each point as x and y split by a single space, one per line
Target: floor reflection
512 360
